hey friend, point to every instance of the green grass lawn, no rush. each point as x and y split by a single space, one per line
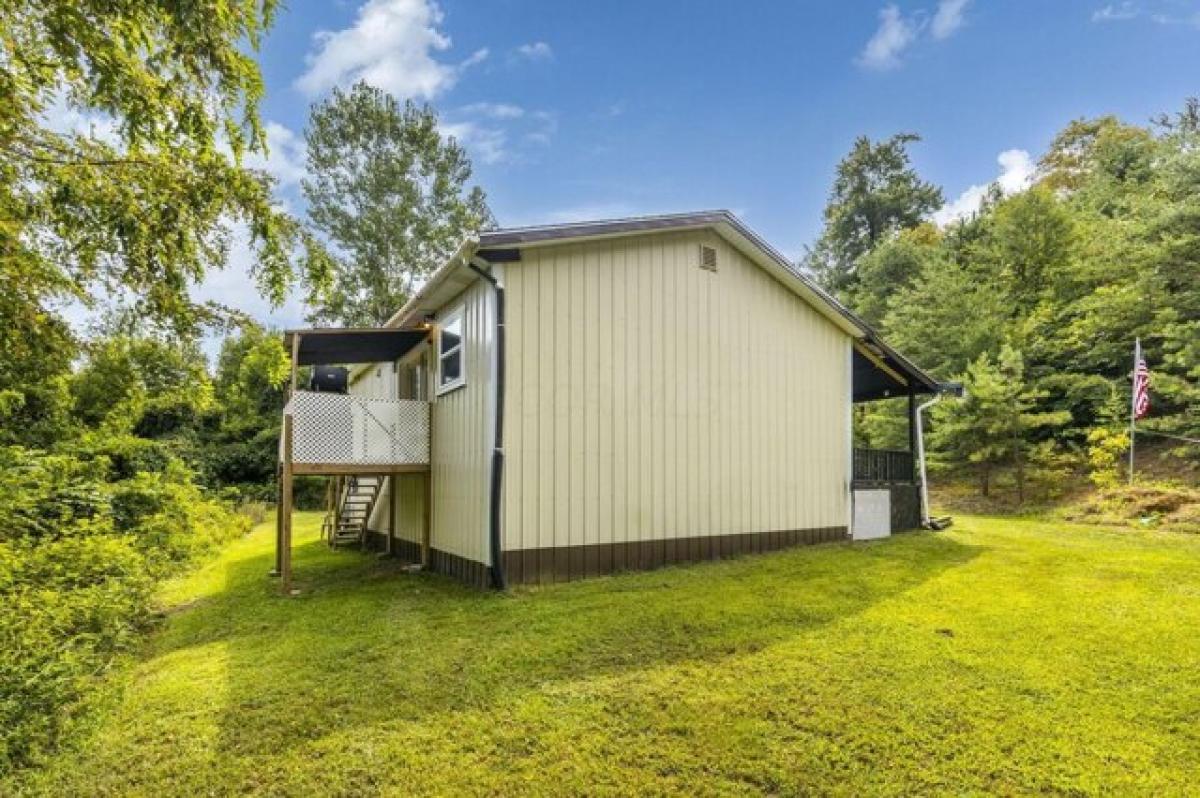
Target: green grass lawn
1002 656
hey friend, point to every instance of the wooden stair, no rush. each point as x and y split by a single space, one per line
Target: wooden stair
348 522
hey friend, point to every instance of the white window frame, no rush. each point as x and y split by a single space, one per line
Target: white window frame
453 315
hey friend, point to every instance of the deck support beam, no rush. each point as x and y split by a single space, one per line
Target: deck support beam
285 510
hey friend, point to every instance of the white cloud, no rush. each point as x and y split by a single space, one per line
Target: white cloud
234 287
1016 174
392 44
536 51
65 119
486 143
285 158
1161 12
898 32
895 34
546 125
495 110
1116 12
1192 19
948 18
490 131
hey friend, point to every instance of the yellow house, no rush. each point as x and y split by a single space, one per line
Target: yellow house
571 400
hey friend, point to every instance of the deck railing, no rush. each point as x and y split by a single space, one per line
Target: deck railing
883 465
340 429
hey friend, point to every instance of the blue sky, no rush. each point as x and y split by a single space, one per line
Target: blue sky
581 110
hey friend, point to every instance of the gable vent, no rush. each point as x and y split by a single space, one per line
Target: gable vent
708 258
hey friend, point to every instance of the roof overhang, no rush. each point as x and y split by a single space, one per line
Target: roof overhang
456 275
450 280
326 346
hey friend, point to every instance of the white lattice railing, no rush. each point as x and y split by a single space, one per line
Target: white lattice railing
354 430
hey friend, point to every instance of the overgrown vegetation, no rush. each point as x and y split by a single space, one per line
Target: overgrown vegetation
1035 300
1002 657
122 134
85 537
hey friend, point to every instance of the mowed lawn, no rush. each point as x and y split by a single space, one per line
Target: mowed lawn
1002 656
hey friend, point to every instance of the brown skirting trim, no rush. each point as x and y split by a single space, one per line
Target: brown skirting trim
407 550
376 541
562 564
566 563
473 573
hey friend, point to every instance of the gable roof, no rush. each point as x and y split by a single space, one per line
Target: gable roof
453 277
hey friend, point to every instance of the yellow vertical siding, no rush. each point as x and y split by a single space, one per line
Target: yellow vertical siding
460 455
648 399
412 507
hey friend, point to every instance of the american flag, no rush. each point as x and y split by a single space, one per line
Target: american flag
1141 386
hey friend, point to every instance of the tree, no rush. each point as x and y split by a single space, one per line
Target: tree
995 424
947 317
139 204
891 267
875 194
136 204
36 349
239 444
149 387
1103 147
252 368
391 194
1031 245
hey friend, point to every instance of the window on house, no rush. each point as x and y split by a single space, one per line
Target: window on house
451 367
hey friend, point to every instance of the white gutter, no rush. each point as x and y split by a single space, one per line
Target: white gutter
465 251
925 519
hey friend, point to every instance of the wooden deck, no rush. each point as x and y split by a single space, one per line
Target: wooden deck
341 435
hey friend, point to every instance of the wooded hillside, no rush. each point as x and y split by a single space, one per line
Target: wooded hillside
1034 301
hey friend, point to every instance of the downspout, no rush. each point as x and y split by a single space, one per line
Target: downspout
925 519
494 541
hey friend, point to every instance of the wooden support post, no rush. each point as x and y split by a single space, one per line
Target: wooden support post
283 479
285 508
295 358
427 510
337 507
394 512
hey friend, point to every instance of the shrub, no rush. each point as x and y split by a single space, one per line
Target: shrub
1105 450
82 544
1164 506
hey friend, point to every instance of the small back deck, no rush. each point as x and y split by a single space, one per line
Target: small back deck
342 434
358 441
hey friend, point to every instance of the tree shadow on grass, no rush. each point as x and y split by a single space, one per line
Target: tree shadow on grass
366 642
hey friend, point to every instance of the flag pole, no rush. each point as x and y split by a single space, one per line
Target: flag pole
1137 356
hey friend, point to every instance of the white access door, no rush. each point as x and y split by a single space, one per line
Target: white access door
872 514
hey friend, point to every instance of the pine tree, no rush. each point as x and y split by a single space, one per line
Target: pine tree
995 425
